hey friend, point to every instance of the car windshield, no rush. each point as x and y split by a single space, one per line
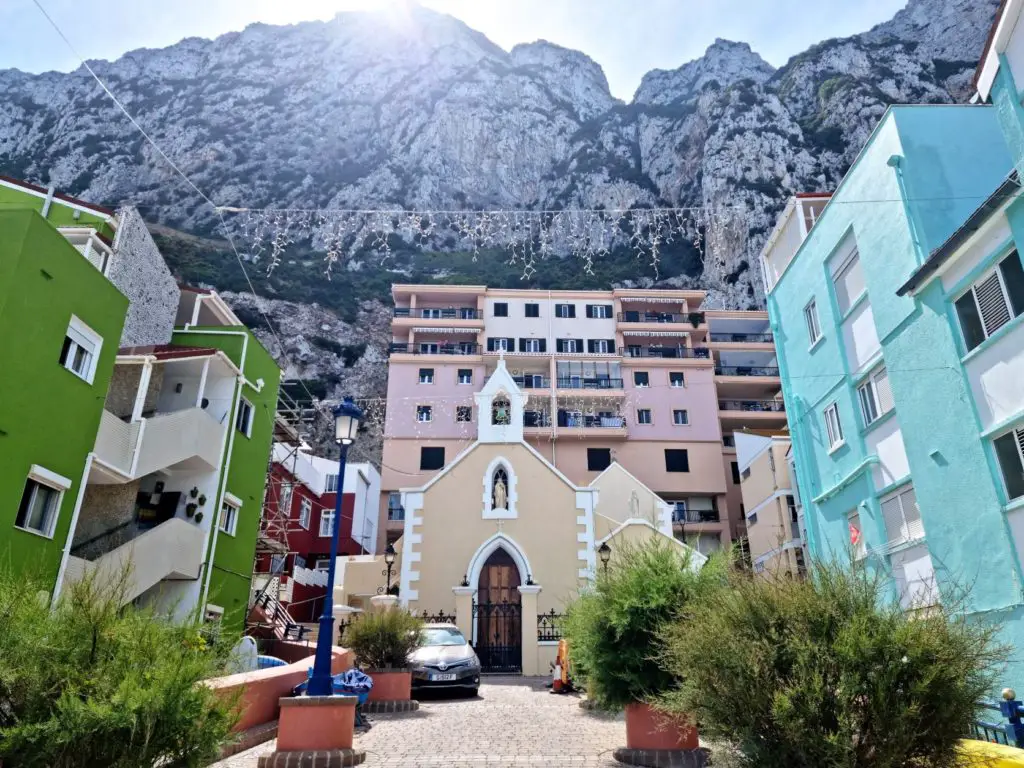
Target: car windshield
442 636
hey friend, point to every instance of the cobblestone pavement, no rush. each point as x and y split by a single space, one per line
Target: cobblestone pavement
515 722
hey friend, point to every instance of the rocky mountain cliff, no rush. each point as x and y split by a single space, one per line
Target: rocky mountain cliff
361 113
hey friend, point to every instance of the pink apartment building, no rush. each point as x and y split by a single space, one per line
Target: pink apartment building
645 378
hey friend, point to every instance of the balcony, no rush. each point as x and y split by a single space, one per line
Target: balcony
665 352
693 318
752 406
434 348
741 338
746 370
452 313
597 384
681 516
532 382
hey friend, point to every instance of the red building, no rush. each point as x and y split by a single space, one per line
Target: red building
299 509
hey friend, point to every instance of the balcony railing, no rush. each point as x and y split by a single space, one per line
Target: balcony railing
396 514
536 419
746 370
658 350
758 338
532 382
589 421
660 317
774 406
463 348
695 516
578 382
460 313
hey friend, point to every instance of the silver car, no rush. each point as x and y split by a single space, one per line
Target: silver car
444 660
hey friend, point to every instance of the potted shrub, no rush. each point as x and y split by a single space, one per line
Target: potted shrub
696 318
830 671
382 642
614 634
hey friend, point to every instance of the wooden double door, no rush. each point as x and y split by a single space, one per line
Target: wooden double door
498 616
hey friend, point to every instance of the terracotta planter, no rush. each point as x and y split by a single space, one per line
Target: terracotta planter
391 685
648 729
316 723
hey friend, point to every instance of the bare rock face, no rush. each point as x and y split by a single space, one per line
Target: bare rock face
429 114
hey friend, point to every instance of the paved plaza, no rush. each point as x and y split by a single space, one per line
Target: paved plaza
514 722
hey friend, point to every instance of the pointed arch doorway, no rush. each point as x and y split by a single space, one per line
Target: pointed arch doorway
498 615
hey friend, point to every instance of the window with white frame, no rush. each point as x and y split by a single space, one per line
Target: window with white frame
833 426
1009 449
848 279
811 319
857 543
643 416
432 314
603 346
565 310
875 396
326 523
243 419
902 516
465 375
81 350
331 483
680 417
426 375
39 508
424 413
228 518
285 496
429 348
641 379
992 301
305 512
322 564
530 345
676 379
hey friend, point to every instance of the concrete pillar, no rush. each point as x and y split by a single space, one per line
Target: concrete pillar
528 598
140 394
381 603
464 610
202 383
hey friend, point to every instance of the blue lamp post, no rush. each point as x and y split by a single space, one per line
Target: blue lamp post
346 424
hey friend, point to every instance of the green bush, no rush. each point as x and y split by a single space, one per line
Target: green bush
828 673
93 684
613 628
384 639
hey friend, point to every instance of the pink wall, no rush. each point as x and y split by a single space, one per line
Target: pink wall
405 393
698 397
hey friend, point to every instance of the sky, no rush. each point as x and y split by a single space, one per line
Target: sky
626 37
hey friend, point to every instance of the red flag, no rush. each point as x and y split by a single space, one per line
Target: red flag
854 535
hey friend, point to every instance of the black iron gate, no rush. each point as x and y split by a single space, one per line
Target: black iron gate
499 637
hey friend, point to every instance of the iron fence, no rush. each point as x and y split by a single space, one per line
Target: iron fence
1010 733
746 370
550 625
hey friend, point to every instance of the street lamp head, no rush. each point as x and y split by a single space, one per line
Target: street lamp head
389 554
605 553
346 421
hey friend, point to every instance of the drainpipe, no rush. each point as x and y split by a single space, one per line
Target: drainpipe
896 163
50 192
71 530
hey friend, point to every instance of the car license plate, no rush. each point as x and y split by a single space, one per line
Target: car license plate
440 677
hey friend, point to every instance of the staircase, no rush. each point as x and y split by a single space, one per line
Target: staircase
190 438
276 616
171 550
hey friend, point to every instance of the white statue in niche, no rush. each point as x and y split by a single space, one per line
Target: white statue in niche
500 495
634 505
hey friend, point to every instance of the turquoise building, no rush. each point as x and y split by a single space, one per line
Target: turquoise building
898 322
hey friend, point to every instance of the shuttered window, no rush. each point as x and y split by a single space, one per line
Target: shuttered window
902 516
1010 453
875 396
992 301
849 282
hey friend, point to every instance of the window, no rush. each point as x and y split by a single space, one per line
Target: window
641 379
464 413
992 301
396 511
643 415
500 309
569 346
465 375
277 563
500 344
601 346
811 318
676 379
532 345
431 458
677 460
875 396
429 348
80 350
243 420
565 310
833 426
860 548
285 502
40 505
902 516
634 350
228 518
424 413
322 564
426 375
729 441
735 472
533 310
305 512
849 282
331 484
599 311
431 314
327 523
598 459
680 417
1010 453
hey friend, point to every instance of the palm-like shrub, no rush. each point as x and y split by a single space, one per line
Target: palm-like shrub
828 673
91 683
613 628
384 640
